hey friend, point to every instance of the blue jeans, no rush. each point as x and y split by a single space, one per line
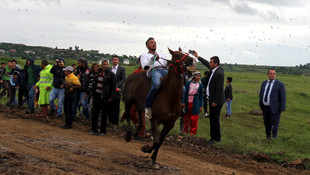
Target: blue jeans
84 102
60 94
155 75
228 107
31 94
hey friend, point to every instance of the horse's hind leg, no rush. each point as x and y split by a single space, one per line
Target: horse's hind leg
156 146
127 116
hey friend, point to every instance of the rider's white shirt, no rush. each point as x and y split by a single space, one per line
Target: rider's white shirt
147 60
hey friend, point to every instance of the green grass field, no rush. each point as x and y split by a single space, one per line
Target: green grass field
244 133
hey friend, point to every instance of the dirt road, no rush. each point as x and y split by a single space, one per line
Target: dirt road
29 145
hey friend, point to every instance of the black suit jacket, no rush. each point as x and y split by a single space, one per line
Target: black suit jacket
277 97
120 76
216 86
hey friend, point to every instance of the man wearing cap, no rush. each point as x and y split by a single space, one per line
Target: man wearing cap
58 91
72 84
156 66
215 92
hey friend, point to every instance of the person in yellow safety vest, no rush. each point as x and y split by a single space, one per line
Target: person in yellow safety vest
45 86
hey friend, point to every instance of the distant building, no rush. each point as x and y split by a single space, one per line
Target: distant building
30 52
126 61
2 51
13 51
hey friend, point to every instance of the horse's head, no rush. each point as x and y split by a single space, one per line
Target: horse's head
180 61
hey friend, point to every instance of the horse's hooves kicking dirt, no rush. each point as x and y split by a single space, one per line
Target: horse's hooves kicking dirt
155 166
146 149
128 137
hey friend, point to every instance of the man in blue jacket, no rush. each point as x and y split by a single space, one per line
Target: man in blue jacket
272 100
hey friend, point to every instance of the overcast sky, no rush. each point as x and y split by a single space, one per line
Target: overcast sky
261 32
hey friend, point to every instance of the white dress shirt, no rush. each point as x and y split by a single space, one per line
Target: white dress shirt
207 90
268 95
114 69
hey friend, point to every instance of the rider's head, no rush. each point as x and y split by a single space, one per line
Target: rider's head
151 44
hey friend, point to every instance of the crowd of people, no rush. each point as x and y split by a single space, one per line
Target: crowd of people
97 90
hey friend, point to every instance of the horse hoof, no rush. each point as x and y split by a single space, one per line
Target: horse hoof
155 166
146 149
128 137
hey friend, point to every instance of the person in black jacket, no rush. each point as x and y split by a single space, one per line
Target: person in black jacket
82 72
21 85
58 90
215 92
228 96
120 78
103 90
32 77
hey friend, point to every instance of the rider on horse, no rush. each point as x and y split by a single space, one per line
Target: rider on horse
156 66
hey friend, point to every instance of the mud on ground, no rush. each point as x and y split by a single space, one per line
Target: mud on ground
32 145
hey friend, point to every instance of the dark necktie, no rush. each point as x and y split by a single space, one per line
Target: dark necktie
267 92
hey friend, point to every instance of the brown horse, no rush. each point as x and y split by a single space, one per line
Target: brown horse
166 107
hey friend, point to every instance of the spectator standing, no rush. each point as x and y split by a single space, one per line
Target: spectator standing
120 78
45 85
12 91
6 79
32 77
58 90
187 76
21 85
2 71
192 102
215 92
272 100
228 96
205 97
72 84
104 92
82 73
92 76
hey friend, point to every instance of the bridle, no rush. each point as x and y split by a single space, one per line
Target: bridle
177 63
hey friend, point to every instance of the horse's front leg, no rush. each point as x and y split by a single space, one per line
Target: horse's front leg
163 134
154 128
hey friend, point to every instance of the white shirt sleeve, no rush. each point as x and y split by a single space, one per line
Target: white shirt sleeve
145 60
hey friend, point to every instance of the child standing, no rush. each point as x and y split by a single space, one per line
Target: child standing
12 90
228 96
192 102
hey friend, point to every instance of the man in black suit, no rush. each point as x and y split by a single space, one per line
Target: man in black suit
214 90
272 100
120 73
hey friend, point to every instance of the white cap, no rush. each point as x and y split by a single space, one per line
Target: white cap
69 68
